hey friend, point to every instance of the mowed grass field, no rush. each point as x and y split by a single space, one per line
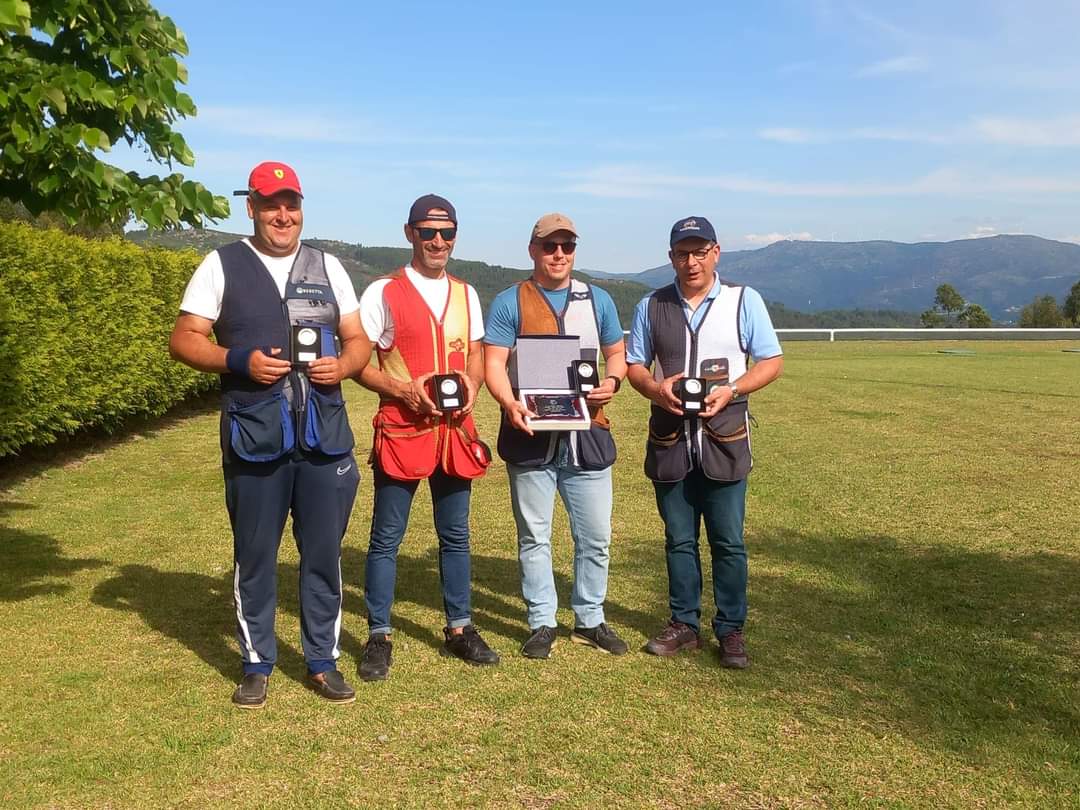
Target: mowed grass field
914 621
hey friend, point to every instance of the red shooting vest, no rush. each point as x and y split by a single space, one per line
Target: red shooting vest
409 446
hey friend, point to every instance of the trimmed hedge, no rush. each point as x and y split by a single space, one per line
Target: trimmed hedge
84 334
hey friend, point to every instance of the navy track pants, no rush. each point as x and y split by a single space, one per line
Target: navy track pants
320 492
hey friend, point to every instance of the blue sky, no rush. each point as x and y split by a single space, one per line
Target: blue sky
816 120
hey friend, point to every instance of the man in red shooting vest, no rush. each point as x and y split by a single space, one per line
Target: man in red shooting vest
423 322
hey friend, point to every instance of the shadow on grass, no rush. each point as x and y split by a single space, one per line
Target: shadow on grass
195 610
969 648
32 564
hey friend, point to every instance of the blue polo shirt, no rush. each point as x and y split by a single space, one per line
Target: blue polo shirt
503 316
755 326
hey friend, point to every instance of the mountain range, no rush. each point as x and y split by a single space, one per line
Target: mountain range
841 283
1001 273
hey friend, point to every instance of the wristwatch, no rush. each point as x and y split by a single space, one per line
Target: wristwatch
618 382
734 389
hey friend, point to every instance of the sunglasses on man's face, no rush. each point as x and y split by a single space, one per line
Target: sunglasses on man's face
549 248
427 234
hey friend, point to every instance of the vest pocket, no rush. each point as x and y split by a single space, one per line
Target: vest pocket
596 446
326 426
666 455
725 444
404 451
261 430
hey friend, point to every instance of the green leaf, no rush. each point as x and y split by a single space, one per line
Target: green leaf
56 96
105 95
12 154
49 184
20 133
15 15
96 139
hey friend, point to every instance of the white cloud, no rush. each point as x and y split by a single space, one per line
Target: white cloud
632 182
1075 239
762 239
1063 131
981 232
789 135
896 66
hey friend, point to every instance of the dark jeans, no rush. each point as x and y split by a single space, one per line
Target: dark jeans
682 506
389 519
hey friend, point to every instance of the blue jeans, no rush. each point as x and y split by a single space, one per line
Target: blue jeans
389 519
682 506
587 497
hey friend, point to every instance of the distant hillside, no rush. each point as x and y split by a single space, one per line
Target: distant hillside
1002 273
365 264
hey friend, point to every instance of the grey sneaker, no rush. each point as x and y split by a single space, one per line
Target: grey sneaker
602 637
251 693
540 643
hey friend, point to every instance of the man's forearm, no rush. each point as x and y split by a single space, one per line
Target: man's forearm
198 351
760 374
355 356
642 380
375 379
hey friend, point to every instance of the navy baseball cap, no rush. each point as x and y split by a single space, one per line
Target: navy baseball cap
692 228
421 209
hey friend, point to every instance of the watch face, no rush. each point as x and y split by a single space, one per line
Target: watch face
448 386
307 337
692 386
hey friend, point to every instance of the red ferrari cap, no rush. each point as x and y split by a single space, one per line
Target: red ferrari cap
270 177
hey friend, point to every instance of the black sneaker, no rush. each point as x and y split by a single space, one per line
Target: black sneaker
602 637
540 643
331 685
375 662
468 646
251 693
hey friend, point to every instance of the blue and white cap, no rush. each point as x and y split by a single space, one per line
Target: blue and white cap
692 228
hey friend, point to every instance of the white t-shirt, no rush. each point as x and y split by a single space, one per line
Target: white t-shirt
379 323
206 289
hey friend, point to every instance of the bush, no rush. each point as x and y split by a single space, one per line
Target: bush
84 332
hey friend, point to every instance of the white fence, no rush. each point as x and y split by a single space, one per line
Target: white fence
892 333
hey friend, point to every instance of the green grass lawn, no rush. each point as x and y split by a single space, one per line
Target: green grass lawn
914 621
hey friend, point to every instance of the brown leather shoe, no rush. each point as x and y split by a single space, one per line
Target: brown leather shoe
673 639
733 651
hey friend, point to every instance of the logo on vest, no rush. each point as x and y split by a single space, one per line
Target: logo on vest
579 296
343 470
714 367
311 291
457 345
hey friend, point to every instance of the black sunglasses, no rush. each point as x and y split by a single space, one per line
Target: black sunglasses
427 234
549 248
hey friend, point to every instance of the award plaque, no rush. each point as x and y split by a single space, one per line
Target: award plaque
586 375
449 392
691 391
556 410
306 345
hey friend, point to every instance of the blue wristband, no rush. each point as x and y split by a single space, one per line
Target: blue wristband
237 361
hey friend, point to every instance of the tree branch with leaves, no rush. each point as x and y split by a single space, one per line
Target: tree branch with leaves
77 77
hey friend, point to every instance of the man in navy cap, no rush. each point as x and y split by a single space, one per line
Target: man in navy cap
423 322
699 335
277 309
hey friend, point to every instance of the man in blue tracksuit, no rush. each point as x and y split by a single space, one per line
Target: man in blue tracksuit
278 311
